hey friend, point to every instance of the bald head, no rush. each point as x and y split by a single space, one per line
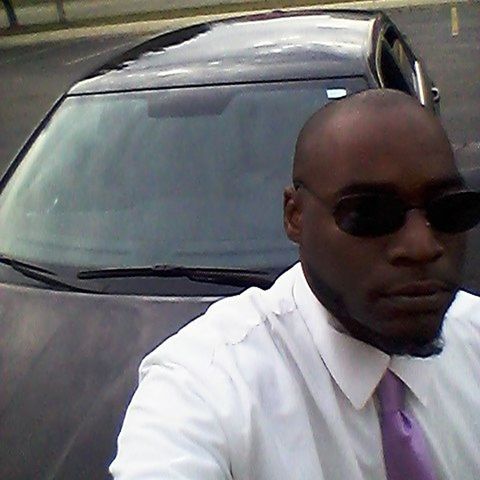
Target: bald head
376 114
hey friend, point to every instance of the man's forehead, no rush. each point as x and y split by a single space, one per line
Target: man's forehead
362 143
403 172
338 114
359 124
432 186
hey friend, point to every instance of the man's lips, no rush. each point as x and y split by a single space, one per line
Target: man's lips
419 296
419 288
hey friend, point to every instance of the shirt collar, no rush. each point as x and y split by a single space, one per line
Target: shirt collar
356 367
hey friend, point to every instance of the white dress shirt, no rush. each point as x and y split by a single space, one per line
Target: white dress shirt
262 387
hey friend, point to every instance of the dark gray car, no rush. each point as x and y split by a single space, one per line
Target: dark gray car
152 188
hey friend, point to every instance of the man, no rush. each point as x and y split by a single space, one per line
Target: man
290 383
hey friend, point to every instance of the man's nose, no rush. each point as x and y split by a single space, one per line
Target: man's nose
415 242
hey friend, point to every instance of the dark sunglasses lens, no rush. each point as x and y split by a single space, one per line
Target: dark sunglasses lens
454 212
369 215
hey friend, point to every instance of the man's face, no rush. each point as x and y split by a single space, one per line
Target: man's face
393 290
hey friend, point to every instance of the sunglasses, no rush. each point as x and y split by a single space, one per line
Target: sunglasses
376 214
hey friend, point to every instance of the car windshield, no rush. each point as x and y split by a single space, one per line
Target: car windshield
188 176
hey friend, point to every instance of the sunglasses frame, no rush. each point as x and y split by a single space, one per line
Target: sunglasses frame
432 219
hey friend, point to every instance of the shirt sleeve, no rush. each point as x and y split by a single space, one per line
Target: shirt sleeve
170 431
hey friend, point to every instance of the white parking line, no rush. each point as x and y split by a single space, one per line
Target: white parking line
455 24
96 54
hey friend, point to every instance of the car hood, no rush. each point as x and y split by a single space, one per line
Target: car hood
68 369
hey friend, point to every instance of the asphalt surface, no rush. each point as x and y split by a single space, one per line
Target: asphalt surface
32 77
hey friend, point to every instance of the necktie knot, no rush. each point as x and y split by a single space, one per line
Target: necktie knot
391 393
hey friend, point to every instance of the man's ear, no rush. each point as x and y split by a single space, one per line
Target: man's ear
292 214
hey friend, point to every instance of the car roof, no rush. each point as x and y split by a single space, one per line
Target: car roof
278 45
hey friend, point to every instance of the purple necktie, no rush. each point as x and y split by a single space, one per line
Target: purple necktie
404 448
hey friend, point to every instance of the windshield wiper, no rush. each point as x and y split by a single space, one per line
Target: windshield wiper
222 276
14 263
40 274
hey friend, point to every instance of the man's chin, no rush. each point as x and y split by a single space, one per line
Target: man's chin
414 349
417 334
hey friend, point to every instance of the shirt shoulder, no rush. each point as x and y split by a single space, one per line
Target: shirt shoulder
465 308
464 301
462 322
233 323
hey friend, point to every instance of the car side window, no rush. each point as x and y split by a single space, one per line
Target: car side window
399 68
406 62
391 74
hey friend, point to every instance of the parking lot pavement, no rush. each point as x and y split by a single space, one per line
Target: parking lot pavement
98 9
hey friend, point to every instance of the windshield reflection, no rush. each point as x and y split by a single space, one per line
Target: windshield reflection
183 176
